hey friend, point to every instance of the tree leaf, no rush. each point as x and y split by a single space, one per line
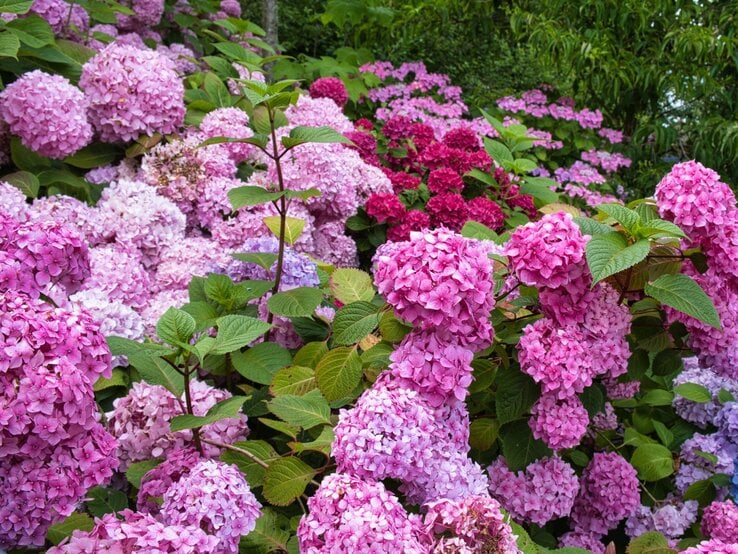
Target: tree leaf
475 230
236 331
285 479
653 462
518 445
354 321
516 393
693 392
176 327
305 411
609 254
294 380
260 362
625 216
351 285
391 328
254 471
292 230
301 135
251 196
483 433
225 409
297 302
217 91
105 501
338 372
60 531
683 294
321 444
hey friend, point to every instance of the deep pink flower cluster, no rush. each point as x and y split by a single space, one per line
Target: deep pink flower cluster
439 280
385 207
132 92
608 493
330 87
53 447
136 532
140 421
544 491
347 514
47 112
720 521
560 423
474 523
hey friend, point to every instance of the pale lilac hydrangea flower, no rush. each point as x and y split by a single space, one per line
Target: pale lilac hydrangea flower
449 475
132 286
586 541
48 113
13 201
671 519
712 547
146 13
181 56
57 15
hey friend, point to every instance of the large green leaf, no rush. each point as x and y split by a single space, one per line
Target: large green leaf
15 6
225 409
351 285
251 196
651 542
292 230
516 393
310 354
176 327
260 362
259 449
483 433
683 294
301 135
518 445
297 302
653 462
9 44
60 531
285 479
157 371
354 321
625 216
137 470
609 254
338 372
305 411
591 227
95 155
693 392
296 380
25 181
32 30
105 500
236 331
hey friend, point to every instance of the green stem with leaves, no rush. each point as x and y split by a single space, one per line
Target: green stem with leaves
190 411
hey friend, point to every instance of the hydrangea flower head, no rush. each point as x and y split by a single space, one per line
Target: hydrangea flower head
330 87
230 123
47 112
385 207
559 423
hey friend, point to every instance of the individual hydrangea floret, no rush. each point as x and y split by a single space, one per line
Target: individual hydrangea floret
548 252
330 87
559 423
215 497
48 113
132 92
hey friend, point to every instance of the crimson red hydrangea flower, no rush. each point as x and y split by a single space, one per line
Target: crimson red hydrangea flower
462 138
522 201
414 220
363 124
330 87
422 136
448 210
385 208
398 127
402 181
365 145
486 212
445 179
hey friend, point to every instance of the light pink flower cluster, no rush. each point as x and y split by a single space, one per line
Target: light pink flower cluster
560 423
52 445
146 13
439 280
132 92
608 493
544 491
609 161
535 103
230 123
140 421
66 19
137 532
347 514
712 547
47 112
181 56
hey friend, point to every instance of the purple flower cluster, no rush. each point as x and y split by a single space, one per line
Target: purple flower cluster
47 112
66 19
140 421
671 519
535 102
696 466
544 491
132 92
701 414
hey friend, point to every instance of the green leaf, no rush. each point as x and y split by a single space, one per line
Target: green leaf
665 435
518 445
105 501
321 444
498 151
285 479
32 30
217 91
626 217
301 135
305 411
225 409
15 6
524 165
338 372
591 227
176 327
281 427
25 181
119 378
236 331
137 470
254 471
9 45
609 254
263 259
157 371
725 396
351 285
693 392
657 397
660 228
476 230
251 196
260 362
269 535
653 462
516 393
391 328
27 159
651 542
92 156
292 229
683 294
483 433
353 322
297 302
702 491
295 380
60 531
310 354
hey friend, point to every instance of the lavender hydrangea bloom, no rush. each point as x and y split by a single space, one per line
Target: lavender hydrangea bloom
701 413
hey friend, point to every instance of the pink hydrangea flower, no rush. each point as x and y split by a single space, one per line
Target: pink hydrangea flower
230 123
448 210
330 87
385 208
559 423
486 212
720 521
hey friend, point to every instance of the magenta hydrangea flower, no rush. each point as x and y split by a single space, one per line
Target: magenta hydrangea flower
560 423
609 492
486 212
330 87
146 13
439 280
158 480
132 92
548 252
215 497
229 123
712 547
462 138
449 210
720 521
140 421
414 220
476 520
385 207
544 491
445 179
47 112
136 532
434 364
347 514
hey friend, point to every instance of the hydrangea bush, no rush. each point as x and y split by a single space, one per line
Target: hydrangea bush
195 360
